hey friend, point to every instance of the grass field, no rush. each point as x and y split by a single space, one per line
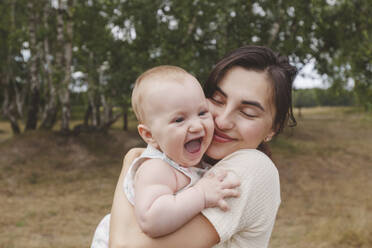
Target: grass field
55 189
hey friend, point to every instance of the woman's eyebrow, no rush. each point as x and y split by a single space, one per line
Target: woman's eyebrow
253 103
244 102
219 90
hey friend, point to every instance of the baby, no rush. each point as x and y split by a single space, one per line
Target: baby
172 110
163 183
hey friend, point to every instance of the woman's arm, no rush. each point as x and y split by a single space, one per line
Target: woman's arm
125 232
255 210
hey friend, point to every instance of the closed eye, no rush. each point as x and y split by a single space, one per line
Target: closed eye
218 96
218 99
247 115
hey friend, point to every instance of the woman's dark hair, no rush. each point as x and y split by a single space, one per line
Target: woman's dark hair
277 68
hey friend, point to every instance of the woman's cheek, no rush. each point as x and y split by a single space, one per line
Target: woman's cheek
217 151
251 133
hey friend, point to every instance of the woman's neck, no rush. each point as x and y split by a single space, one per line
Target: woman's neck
209 160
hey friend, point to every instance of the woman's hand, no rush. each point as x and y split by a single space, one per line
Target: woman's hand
122 214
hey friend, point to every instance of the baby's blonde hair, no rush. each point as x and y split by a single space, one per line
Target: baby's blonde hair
155 74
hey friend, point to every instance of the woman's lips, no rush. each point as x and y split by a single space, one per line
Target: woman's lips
221 137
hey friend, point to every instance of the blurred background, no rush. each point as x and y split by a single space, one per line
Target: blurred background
66 72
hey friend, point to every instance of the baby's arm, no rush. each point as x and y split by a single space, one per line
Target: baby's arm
159 211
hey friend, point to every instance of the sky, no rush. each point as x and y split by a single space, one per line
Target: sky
309 78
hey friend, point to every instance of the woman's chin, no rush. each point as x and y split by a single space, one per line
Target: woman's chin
216 152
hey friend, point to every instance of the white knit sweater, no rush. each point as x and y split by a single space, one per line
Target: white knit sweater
251 217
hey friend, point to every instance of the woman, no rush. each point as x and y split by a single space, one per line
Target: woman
249 92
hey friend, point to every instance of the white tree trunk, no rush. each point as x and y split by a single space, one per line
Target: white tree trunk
65 41
50 109
93 105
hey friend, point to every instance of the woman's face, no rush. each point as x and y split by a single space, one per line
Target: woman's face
242 111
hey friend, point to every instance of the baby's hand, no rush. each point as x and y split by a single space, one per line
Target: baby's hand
217 185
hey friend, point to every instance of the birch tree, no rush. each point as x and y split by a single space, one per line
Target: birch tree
64 58
49 113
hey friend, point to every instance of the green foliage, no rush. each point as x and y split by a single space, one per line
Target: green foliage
364 95
305 98
323 97
114 41
344 50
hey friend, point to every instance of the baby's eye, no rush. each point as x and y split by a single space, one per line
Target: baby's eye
201 113
179 119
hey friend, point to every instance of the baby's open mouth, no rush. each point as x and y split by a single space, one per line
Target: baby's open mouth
194 145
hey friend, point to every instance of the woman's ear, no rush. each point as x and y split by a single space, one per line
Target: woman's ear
146 135
269 136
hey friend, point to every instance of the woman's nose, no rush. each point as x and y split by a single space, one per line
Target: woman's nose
223 119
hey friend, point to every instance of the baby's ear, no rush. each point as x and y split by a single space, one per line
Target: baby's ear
146 135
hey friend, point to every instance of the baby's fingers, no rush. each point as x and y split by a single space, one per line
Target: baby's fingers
230 193
221 175
226 184
218 174
231 181
222 204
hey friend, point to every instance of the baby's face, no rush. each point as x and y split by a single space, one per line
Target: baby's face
179 120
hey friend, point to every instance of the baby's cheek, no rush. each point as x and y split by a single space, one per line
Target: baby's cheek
211 124
211 107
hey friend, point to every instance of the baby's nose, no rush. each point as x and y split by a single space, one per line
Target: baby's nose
195 126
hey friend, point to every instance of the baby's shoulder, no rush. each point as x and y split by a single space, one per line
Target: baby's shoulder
155 171
154 165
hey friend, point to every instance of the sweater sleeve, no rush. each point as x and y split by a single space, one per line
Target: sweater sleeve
251 217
